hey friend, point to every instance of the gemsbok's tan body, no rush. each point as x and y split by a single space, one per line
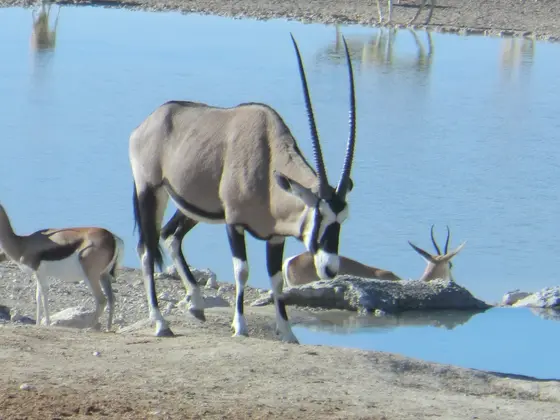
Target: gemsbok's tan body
299 269
91 254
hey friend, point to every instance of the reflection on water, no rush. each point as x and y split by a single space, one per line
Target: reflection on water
504 340
549 314
516 58
344 322
42 36
379 50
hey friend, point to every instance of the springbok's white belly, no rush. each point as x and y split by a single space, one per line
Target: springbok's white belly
68 270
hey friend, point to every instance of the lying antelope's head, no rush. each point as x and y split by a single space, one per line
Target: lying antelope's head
327 205
440 265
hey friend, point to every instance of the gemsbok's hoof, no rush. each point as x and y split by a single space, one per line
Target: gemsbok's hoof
165 332
198 314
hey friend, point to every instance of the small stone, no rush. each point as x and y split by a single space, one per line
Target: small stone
26 387
96 354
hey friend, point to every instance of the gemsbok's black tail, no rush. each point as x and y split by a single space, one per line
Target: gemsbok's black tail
145 218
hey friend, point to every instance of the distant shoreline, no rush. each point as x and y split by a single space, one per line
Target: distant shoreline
535 18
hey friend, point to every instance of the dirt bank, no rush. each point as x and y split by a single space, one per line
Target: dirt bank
55 373
207 374
530 17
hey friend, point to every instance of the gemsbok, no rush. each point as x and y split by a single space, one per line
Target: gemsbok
299 269
241 167
438 266
91 254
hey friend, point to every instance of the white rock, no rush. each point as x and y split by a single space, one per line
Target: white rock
96 354
545 298
26 387
512 297
76 317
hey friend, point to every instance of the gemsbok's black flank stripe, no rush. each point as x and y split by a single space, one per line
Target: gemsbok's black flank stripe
181 202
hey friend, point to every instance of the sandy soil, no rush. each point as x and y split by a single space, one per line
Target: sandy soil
540 18
205 373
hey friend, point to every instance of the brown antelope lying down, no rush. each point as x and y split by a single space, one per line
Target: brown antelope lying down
88 253
299 269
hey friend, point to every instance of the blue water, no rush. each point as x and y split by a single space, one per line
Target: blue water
466 138
508 340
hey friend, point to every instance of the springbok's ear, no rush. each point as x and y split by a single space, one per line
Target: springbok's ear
423 253
293 187
451 254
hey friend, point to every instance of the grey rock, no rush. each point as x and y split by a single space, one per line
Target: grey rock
512 297
16 316
366 295
4 313
546 298
204 277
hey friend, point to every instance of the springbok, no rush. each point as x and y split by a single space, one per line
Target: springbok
241 167
42 37
299 269
71 254
440 265
411 21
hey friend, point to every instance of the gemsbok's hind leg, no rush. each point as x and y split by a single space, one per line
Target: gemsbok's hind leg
236 237
172 234
150 207
274 255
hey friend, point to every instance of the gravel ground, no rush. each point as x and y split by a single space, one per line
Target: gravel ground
56 372
519 17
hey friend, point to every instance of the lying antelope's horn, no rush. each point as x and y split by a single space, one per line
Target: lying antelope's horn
447 240
324 190
434 241
343 184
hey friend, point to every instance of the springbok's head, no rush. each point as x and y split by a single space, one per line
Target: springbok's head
440 265
327 205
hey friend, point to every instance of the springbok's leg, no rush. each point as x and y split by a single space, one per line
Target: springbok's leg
274 256
379 12
94 284
43 299
39 299
433 4
172 234
390 12
151 206
236 237
106 281
420 8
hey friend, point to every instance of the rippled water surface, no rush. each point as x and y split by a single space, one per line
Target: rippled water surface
451 130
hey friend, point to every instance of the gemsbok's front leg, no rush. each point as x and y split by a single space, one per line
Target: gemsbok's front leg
274 256
172 234
236 237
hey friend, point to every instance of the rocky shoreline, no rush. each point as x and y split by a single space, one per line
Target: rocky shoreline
382 298
530 18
